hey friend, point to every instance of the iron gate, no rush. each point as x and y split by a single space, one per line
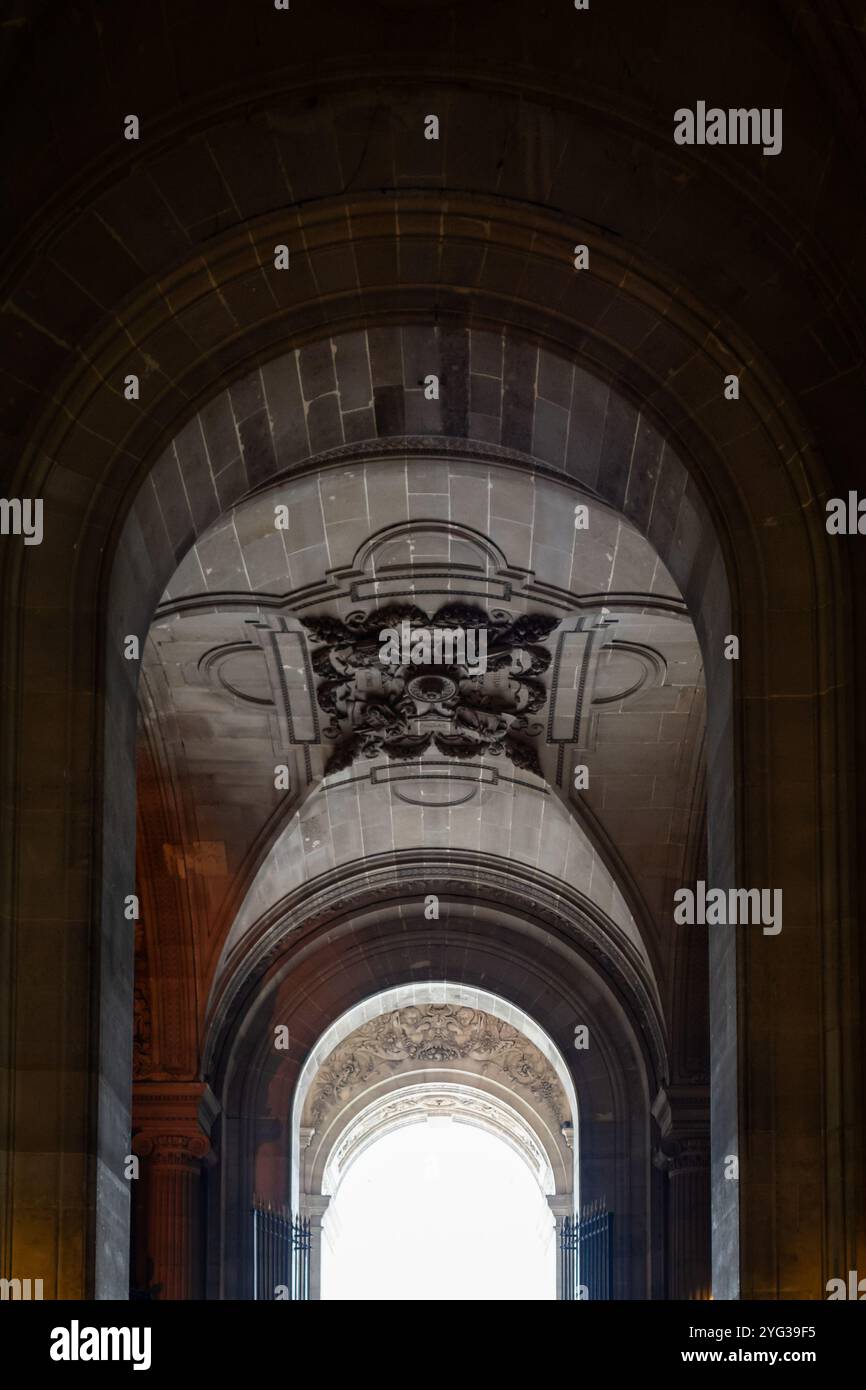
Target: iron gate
281 1254
586 1253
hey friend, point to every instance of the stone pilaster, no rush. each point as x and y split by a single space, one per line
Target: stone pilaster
315 1207
689 1220
562 1205
683 1116
172 1142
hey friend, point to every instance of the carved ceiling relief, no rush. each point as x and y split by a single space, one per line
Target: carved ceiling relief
333 686
479 698
435 1035
333 693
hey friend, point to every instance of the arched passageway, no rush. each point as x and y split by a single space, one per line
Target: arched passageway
440 1053
587 624
607 385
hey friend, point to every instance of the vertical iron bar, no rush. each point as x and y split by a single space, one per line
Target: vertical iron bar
599 1291
581 1267
595 1261
608 1260
610 1252
281 1273
560 1255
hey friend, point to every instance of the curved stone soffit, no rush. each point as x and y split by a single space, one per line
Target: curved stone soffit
463 1104
376 572
540 835
371 883
258 432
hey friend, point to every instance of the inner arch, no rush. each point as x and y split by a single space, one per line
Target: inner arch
475 1001
462 1104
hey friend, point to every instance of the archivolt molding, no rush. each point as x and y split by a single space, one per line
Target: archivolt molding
546 238
460 1103
458 877
433 1035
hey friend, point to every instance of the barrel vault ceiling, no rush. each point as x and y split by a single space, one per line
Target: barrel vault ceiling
256 692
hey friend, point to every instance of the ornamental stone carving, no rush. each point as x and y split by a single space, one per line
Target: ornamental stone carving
394 706
436 1035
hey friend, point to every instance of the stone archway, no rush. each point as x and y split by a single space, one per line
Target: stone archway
436 1031
190 622
440 1046
199 276
180 601
490 939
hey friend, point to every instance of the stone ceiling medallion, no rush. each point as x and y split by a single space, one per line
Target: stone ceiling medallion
398 699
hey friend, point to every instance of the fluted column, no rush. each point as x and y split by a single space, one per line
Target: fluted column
171 1147
689 1220
682 1113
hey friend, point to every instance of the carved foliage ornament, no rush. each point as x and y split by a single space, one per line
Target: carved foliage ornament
436 1035
395 707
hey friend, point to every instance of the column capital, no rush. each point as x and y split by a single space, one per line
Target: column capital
171 1148
683 1111
561 1204
314 1205
172 1120
691 1155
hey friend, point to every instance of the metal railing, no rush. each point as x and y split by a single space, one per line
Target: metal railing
281 1254
586 1253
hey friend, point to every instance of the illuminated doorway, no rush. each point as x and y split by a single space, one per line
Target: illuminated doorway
439 1210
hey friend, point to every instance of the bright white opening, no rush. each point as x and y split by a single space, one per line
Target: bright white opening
439 1210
